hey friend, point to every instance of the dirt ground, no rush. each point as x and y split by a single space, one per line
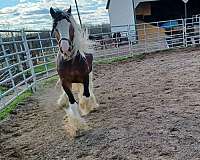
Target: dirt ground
149 110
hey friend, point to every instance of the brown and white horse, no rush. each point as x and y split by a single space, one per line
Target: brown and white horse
74 68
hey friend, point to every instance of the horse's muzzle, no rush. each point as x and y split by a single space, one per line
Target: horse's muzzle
65 44
65 52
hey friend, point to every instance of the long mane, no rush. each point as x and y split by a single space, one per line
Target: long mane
80 41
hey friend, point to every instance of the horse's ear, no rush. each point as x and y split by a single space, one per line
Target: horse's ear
52 12
69 10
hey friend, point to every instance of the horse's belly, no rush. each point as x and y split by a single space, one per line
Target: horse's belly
77 87
74 77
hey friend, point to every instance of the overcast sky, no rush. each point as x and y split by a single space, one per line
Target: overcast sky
34 14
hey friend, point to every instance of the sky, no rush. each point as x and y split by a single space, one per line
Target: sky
34 14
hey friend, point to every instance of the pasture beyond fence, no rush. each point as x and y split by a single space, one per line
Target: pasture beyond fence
28 56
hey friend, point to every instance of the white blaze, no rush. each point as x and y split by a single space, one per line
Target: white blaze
63 28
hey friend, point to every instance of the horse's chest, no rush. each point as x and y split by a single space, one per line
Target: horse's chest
75 71
75 75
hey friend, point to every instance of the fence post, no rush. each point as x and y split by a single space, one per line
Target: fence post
44 57
158 36
199 31
52 45
145 38
28 54
185 32
129 39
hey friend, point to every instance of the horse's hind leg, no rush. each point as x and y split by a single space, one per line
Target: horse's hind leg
93 98
63 101
74 117
88 101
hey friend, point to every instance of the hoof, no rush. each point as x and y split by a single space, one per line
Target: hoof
96 106
74 122
73 131
86 105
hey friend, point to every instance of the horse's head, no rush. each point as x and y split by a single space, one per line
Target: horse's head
64 31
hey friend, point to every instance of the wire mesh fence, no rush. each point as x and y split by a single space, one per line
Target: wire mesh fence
27 56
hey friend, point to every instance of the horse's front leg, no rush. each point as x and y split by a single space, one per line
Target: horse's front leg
88 101
74 117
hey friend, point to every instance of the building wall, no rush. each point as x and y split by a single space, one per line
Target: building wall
121 13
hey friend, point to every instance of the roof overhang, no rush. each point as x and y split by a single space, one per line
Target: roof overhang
136 3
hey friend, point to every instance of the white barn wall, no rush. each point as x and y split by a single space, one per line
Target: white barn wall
121 13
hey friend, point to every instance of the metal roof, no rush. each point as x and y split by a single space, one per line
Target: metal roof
136 2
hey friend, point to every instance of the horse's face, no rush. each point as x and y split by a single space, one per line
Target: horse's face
64 31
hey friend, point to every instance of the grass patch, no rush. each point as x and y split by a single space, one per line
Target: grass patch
4 113
3 89
49 81
121 58
8 109
42 68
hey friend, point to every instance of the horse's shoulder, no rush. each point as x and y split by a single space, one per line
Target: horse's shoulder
89 57
89 60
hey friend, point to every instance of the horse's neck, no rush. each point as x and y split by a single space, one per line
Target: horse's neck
81 60
77 57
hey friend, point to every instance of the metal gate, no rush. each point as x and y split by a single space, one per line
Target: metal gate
149 37
25 58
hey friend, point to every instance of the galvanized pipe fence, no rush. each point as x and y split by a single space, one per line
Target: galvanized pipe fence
28 56
25 58
145 37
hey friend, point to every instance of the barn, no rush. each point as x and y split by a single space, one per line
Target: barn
169 9
127 12
122 14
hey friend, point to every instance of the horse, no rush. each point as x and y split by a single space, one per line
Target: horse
117 38
74 67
